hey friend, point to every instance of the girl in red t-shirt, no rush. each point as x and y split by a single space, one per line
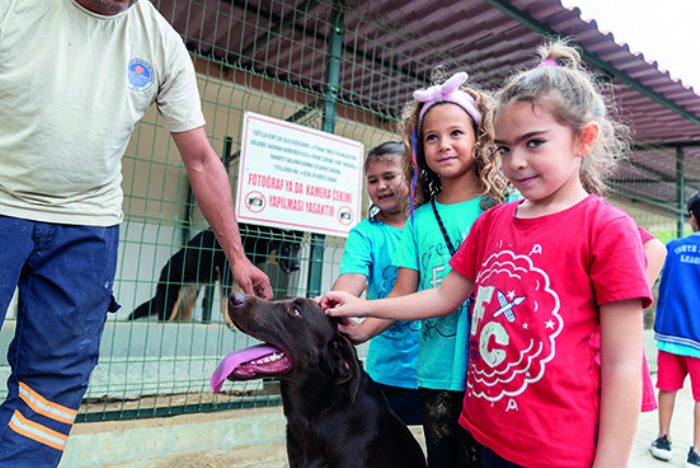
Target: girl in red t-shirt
559 281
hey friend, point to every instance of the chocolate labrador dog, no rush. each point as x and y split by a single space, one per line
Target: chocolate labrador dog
336 416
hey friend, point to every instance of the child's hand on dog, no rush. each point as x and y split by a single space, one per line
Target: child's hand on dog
347 325
350 327
354 330
343 304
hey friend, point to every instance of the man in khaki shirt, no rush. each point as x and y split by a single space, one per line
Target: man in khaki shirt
75 78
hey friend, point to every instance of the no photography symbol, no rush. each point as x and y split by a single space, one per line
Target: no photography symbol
255 202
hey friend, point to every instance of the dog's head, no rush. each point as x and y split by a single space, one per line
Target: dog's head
300 340
265 243
288 256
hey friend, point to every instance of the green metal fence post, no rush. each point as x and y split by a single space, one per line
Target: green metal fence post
680 190
327 125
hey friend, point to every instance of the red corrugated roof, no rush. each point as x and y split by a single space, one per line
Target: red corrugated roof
390 47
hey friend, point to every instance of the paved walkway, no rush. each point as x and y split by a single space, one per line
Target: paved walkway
681 433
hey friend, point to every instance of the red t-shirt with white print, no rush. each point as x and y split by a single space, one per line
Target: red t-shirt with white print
532 381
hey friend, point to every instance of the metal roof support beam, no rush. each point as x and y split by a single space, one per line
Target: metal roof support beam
661 175
304 111
680 191
637 180
307 109
663 204
650 182
541 28
673 144
282 23
327 125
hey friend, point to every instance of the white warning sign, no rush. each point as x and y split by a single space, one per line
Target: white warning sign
296 177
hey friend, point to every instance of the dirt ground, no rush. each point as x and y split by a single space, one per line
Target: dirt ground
275 457
248 456
268 457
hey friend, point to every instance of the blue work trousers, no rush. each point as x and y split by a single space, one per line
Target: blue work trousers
65 275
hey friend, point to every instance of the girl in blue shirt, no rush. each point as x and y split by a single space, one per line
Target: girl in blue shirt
367 263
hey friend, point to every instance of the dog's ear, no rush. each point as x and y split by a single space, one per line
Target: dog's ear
347 364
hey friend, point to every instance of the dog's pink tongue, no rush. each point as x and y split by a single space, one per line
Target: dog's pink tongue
233 360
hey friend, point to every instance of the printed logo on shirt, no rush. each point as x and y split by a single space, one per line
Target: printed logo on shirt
434 262
387 282
442 328
516 333
139 75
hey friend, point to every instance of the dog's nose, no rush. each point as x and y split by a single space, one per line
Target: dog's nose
236 299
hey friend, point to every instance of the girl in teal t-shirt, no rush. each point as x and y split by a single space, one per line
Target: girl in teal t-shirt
367 262
457 178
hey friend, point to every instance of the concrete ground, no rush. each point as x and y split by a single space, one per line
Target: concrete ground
681 433
255 438
244 438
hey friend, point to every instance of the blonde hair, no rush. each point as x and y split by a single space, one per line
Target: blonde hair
561 85
492 184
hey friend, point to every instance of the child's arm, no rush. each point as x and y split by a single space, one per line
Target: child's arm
406 283
354 283
620 393
429 303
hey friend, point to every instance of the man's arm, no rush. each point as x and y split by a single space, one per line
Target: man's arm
212 191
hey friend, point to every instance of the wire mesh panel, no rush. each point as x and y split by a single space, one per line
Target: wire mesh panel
161 362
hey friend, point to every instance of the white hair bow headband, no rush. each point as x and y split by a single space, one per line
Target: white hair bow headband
447 92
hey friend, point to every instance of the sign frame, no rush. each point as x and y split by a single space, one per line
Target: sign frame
295 177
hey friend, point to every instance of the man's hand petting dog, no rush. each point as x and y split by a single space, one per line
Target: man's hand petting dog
337 416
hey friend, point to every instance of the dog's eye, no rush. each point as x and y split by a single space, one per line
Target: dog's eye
294 311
